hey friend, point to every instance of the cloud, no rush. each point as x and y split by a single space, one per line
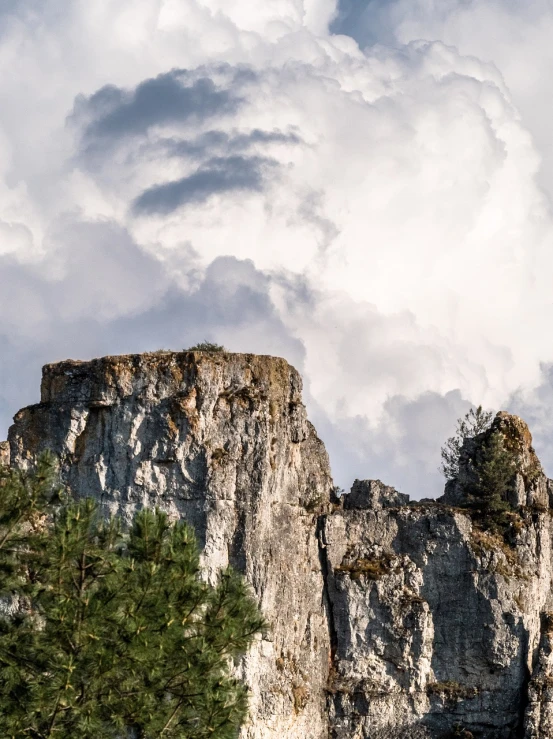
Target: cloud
220 175
234 171
513 36
235 142
93 269
174 97
403 449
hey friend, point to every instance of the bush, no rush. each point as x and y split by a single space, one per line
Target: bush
372 569
206 346
113 634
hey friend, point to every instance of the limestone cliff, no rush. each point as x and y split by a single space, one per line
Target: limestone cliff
223 441
390 618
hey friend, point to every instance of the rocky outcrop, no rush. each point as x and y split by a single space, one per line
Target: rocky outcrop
223 441
528 485
539 714
439 613
373 494
390 618
436 622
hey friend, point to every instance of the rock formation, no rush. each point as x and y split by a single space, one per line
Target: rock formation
223 441
390 618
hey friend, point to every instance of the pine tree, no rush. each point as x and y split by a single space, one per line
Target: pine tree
495 467
473 423
24 499
119 636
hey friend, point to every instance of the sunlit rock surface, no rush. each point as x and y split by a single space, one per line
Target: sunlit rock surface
223 441
390 619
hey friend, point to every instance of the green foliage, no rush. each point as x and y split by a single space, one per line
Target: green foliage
473 423
206 346
495 466
115 635
24 497
490 468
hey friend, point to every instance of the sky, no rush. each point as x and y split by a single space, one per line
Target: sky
363 187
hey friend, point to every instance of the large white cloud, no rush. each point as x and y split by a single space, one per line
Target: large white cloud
188 168
515 36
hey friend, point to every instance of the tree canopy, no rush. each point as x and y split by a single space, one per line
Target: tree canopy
112 634
475 422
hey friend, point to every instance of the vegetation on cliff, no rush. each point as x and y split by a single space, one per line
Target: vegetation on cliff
479 460
112 634
206 346
473 423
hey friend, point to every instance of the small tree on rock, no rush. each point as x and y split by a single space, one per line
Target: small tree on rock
495 467
475 422
481 472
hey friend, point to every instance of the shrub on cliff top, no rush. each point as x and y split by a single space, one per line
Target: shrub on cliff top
110 635
206 346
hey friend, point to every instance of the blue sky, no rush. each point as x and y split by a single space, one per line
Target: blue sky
364 189
350 20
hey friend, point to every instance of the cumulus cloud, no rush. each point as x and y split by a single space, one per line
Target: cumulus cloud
514 36
220 175
168 98
246 174
214 141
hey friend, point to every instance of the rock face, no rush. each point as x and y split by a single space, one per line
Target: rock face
390 619
223 441
539 715
436 623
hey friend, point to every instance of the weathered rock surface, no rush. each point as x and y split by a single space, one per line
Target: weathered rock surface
373 494
391 619
223 441
539 714
436 623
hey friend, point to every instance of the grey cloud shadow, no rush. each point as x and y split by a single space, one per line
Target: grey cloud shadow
219 175
112 113
220 140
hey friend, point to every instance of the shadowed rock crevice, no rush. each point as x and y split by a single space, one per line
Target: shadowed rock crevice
327 602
